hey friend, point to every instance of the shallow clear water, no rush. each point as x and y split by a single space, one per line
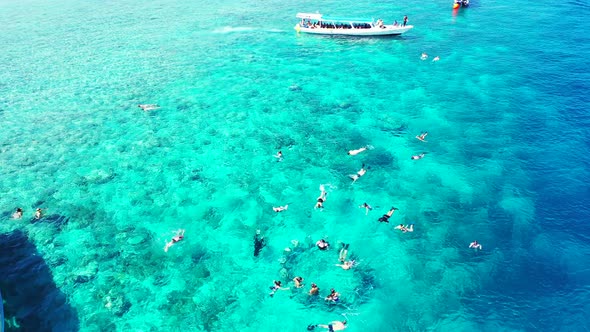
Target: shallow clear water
506 163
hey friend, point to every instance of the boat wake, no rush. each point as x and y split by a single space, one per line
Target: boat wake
230 29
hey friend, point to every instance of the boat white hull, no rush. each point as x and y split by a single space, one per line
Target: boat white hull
389 30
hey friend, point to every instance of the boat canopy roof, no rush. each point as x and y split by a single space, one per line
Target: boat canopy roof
327 18
310 16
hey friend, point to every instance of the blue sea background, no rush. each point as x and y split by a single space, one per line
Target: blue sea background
507 164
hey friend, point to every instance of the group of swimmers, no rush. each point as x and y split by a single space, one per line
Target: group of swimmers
18 213
322 244
424 56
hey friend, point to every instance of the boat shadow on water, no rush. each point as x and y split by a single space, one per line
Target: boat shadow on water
32 300
364 39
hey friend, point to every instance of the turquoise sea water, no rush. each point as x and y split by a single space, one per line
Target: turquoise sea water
507 161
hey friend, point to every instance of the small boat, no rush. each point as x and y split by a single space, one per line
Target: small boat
329 25
461 3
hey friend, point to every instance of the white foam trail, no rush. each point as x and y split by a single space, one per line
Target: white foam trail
230 29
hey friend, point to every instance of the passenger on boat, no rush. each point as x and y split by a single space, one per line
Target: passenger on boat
395 23
405 20
380 23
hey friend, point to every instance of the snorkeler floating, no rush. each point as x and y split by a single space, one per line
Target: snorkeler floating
298 281
38 214
17 214
280 208
346 265
406 228
422 136
178 237
420 156
148 107
475 245
385 217
333 326
367 208
258 243
334 296
276 287
357 151
279 156
343 252
322 198
315 290
322 244
358 174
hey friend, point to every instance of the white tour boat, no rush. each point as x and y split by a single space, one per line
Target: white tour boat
328 25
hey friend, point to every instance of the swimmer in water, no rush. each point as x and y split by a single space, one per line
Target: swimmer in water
280 208
358 174
38 214
346 265
333 326
357 151
148 107
424 56
320 203
420 156
385 217
405 229
367 208
276 287
178 237
279 156
475 245
314 289
422 136
436 58
258 243
298 282
17 214
322 244
334 296
343 252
